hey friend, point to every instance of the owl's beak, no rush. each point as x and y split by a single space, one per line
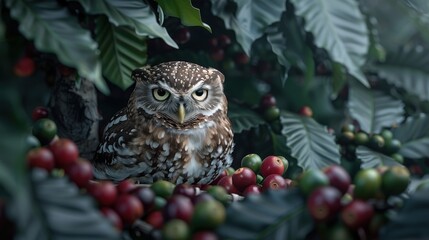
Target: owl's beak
181 113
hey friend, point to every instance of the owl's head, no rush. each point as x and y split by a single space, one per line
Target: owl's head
179 92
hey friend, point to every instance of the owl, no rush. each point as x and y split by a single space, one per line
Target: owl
174 127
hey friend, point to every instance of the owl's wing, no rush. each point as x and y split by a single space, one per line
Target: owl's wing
115 159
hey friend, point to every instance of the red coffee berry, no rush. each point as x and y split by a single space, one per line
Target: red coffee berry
338 178
324 203
204 235
267 101
252 189
274 181
129 208
178 207
24 67
272 165
219 177
39 112
113 217
155 219
224 40
243 177
185 190
146 196
202 197
357 214
182 36
80 172
65 152
306 111
226 182
41 158
104 192
125 186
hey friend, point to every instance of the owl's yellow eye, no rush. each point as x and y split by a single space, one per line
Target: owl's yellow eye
200 94
160 94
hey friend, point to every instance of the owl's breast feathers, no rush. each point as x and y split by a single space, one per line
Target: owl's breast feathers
149 149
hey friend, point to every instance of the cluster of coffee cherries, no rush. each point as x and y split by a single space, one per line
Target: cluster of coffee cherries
346 209
382 142
172 211
255 175
183 211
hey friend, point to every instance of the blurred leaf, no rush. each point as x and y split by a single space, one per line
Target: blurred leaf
277 40
55 30
122 51
411 220
249 19
414 136
407 68
132 13
339 27
298 52
60 211
339 77
373 109
243 118
272 215
373 159
376 51
183 9
311 144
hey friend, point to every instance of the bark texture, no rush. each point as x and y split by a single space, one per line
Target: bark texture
74 109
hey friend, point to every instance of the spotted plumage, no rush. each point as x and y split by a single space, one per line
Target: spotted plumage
175 127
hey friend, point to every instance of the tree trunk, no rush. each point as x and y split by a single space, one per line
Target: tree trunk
74 109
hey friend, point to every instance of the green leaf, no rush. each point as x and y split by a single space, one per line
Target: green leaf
411 220
55 30
243 118
60 211
183 9
414 136
372 159
311 144
339 27
249 19
132 13
407 69
276 38
373 109
272 215
122 51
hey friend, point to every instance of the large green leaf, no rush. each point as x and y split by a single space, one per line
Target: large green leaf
339 27
373 109
55 30
408 69
414 136
243 118
310 142
132 13
411 221
272 215
122 51
58 210
250 18
183 9
372 159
